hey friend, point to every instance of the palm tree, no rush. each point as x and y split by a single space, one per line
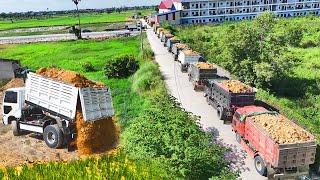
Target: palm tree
76 2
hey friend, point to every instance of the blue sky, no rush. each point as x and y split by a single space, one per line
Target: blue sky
42 5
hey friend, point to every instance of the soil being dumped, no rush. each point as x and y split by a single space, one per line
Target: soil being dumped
92 137
235 86
281 129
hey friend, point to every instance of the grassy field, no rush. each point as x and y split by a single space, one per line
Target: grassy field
298 96
69 20
140 102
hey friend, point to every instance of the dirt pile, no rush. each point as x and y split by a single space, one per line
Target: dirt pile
174 38
14 83
190 52
159 30
281 129
235 86
181 46
168 35
92 137
203 65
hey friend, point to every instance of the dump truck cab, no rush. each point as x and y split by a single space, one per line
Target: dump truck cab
13 102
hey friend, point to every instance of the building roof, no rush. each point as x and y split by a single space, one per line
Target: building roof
167 4
170 12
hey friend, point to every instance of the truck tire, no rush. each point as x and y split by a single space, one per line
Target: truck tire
260 166
15 128
53 136
221 113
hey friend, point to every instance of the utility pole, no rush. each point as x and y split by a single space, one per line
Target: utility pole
76 2
141 36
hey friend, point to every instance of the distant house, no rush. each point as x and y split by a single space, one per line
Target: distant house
169 5
217 11
8 68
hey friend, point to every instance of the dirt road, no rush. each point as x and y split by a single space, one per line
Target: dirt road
27 148
63 37
179 86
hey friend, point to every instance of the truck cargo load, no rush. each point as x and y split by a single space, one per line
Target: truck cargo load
199 74
186 57
171 42
165 38
228 95
50 104
280 147
163 34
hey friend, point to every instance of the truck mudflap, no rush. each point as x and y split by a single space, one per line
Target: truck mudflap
298 173
96 103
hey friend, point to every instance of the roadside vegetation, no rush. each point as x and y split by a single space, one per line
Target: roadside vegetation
280 56
68 20
159 140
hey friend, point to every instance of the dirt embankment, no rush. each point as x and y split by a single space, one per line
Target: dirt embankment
281 129
92 137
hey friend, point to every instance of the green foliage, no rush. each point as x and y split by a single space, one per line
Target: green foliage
88 67
121 66
115 166
146 78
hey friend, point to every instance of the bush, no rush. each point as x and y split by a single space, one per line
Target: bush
164 130
122 66
88 67
146 78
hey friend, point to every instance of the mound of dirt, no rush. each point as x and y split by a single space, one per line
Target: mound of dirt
190 52
14 83
204 65
281 129
181 46
92 137
235 86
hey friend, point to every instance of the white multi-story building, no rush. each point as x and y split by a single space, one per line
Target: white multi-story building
213 11
210 11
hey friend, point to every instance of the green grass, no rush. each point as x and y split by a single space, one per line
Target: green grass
299 96
69 20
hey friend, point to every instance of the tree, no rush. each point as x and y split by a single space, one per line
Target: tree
78 34
256 54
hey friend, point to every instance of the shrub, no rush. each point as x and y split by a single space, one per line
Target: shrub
88 67
122 66
146 78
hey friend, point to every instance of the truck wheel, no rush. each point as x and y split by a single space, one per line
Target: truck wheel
238 137
220 113
260 166
53 136
15 128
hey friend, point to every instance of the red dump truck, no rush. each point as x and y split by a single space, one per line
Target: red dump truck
281 149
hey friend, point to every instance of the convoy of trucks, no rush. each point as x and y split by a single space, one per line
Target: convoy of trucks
48 107
236 105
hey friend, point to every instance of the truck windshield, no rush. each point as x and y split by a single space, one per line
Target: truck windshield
11 97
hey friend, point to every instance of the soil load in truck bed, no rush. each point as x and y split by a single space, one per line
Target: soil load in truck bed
281 129
235 86
92 137
207 66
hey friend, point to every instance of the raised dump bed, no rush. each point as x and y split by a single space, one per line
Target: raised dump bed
281 148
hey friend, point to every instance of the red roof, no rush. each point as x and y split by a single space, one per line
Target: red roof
167 4
251 109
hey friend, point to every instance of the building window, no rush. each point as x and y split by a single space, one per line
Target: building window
174 16
167 17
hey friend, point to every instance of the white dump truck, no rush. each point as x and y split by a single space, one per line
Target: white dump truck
48 107
186 57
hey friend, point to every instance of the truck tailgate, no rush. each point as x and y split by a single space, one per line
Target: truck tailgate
96 103
52 95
